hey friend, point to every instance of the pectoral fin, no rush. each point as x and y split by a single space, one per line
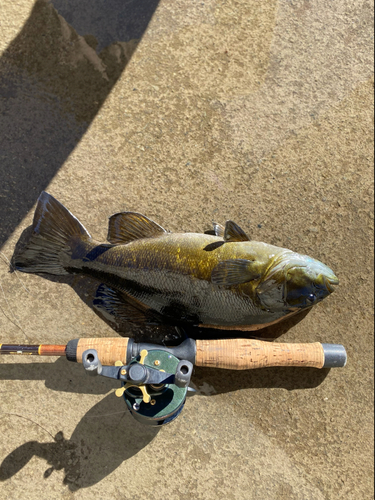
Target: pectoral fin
129 226
234 272
233 232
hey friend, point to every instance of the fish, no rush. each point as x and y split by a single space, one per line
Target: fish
219 279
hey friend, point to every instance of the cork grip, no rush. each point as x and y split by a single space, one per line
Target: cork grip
109 350
244 354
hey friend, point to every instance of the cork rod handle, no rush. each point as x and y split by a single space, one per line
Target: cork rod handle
244 354
109 350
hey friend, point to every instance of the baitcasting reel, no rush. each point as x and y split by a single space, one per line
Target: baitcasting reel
154 384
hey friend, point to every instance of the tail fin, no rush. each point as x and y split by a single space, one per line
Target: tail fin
55 233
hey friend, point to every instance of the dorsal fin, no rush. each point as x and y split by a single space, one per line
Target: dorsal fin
218 229
129 226
233 232
234 272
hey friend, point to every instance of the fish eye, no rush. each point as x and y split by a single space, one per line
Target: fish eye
311 297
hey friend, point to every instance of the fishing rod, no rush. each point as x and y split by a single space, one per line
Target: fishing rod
155 379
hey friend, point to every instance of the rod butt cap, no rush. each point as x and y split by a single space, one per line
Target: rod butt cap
334 356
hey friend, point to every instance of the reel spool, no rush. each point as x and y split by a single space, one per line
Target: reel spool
154 384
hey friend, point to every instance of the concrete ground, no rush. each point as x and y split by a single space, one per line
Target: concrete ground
187 111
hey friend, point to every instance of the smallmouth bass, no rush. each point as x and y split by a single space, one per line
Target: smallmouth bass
220 280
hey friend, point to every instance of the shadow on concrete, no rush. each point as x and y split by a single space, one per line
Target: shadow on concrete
289 378
54 77
105 437
62 376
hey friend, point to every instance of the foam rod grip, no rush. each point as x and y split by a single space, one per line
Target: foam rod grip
244 354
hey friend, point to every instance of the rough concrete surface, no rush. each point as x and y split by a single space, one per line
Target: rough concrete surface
188 111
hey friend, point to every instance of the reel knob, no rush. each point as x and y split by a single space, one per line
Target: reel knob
137 374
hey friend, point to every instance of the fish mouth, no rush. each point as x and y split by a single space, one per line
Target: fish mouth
331 283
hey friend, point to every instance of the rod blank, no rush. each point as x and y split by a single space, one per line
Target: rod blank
35 350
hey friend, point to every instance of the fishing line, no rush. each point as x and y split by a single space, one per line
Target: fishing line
16 323
30 420
15 271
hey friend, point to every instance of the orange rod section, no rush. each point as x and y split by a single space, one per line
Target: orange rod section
51 350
